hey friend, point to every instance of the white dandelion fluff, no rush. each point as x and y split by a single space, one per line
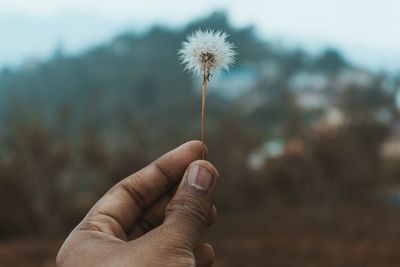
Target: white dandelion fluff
205 53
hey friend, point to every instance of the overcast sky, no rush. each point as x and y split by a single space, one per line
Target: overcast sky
367 30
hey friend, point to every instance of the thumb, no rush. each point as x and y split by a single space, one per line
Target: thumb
189 213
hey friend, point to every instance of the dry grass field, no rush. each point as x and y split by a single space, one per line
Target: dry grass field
356 237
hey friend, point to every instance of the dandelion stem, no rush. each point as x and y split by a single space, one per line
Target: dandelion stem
203 107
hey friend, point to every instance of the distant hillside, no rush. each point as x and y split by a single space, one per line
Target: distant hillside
131 70
140 75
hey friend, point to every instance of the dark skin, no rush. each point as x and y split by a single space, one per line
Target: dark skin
155 217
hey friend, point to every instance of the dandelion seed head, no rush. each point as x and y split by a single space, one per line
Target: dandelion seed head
205 53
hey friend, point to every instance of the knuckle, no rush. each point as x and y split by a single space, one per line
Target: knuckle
190 209
134 190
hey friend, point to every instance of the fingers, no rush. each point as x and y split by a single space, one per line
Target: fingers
204 255
151 218
155 215
190 212
119 209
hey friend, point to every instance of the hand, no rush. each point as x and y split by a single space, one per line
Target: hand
142 222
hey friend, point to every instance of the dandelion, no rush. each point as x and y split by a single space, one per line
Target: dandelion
204 54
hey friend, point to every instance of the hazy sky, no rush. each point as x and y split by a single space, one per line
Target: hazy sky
367 30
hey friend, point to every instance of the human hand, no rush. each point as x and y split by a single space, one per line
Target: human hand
141 221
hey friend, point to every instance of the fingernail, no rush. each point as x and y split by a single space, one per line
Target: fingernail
200 177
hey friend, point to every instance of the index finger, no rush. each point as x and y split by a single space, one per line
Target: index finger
117 211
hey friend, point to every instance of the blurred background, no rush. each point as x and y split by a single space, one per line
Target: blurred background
304 129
